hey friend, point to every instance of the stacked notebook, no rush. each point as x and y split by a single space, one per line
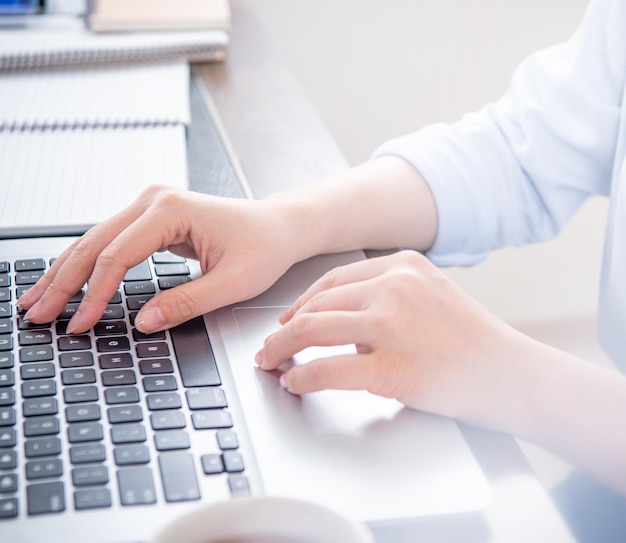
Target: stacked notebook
87 120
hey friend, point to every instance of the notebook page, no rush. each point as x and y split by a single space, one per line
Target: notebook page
121 95
75 177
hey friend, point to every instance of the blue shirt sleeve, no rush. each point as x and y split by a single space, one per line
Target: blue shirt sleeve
517 170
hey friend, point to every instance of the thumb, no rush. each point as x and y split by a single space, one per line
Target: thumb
179 304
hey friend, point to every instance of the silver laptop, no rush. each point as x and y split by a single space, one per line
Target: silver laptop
114 434
107 436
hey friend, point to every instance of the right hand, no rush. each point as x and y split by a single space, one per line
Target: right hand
243 247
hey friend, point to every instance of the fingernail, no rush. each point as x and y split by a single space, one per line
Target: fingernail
75 323
33 312
150 319
284 316
283 380
258 358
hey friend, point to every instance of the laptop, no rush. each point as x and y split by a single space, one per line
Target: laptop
110 435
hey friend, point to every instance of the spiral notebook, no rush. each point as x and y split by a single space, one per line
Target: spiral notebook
78 145
65 41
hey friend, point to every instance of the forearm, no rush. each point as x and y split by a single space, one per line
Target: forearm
381 204
568 406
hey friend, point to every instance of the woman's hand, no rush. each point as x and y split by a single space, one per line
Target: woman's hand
419 338
243 247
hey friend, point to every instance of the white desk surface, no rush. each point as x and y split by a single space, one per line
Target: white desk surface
281 142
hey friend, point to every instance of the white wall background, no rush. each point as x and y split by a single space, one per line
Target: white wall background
376 69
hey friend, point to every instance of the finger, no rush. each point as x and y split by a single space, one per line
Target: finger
133 245
345 372
72 268
310 330
342 275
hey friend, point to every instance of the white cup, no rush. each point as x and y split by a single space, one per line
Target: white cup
264 519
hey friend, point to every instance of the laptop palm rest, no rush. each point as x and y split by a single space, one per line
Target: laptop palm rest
367 456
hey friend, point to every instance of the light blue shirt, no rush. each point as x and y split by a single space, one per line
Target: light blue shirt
516 171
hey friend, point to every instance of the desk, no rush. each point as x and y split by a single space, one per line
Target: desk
281 142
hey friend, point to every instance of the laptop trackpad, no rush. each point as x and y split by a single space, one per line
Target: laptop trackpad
367 456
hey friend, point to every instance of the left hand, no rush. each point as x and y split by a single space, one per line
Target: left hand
419 339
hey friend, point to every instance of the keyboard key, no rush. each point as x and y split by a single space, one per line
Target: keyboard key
125 413
157 365
37 371
128 433
112 344
8 460
5 280
166 283
212 463
6 326
167 420
161 383
32 389
86 431
135 303
7 378
5 295
7 416
30 264
76 360
136 486
92 498
118 377
8 508
8 438
206 398
50 446
6 342
8 483
34 407
203 420
115 361
42 469
35 337
174 268
139 288
25 325
171 440
110 328
165 400
90 475
68 312
178 476
45 498
7 397
155 336
140 272
194 354
87 454
79 394
150 350
227 440
131 454
238 485
112 312
74 343
81 376
41 426
167 257
6 360
233 461
6 309
40 353
121 395
82 413
28 277
5 267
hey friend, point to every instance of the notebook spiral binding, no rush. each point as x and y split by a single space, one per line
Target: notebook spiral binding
192 51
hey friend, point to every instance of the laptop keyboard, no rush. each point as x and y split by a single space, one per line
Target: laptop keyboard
110 417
